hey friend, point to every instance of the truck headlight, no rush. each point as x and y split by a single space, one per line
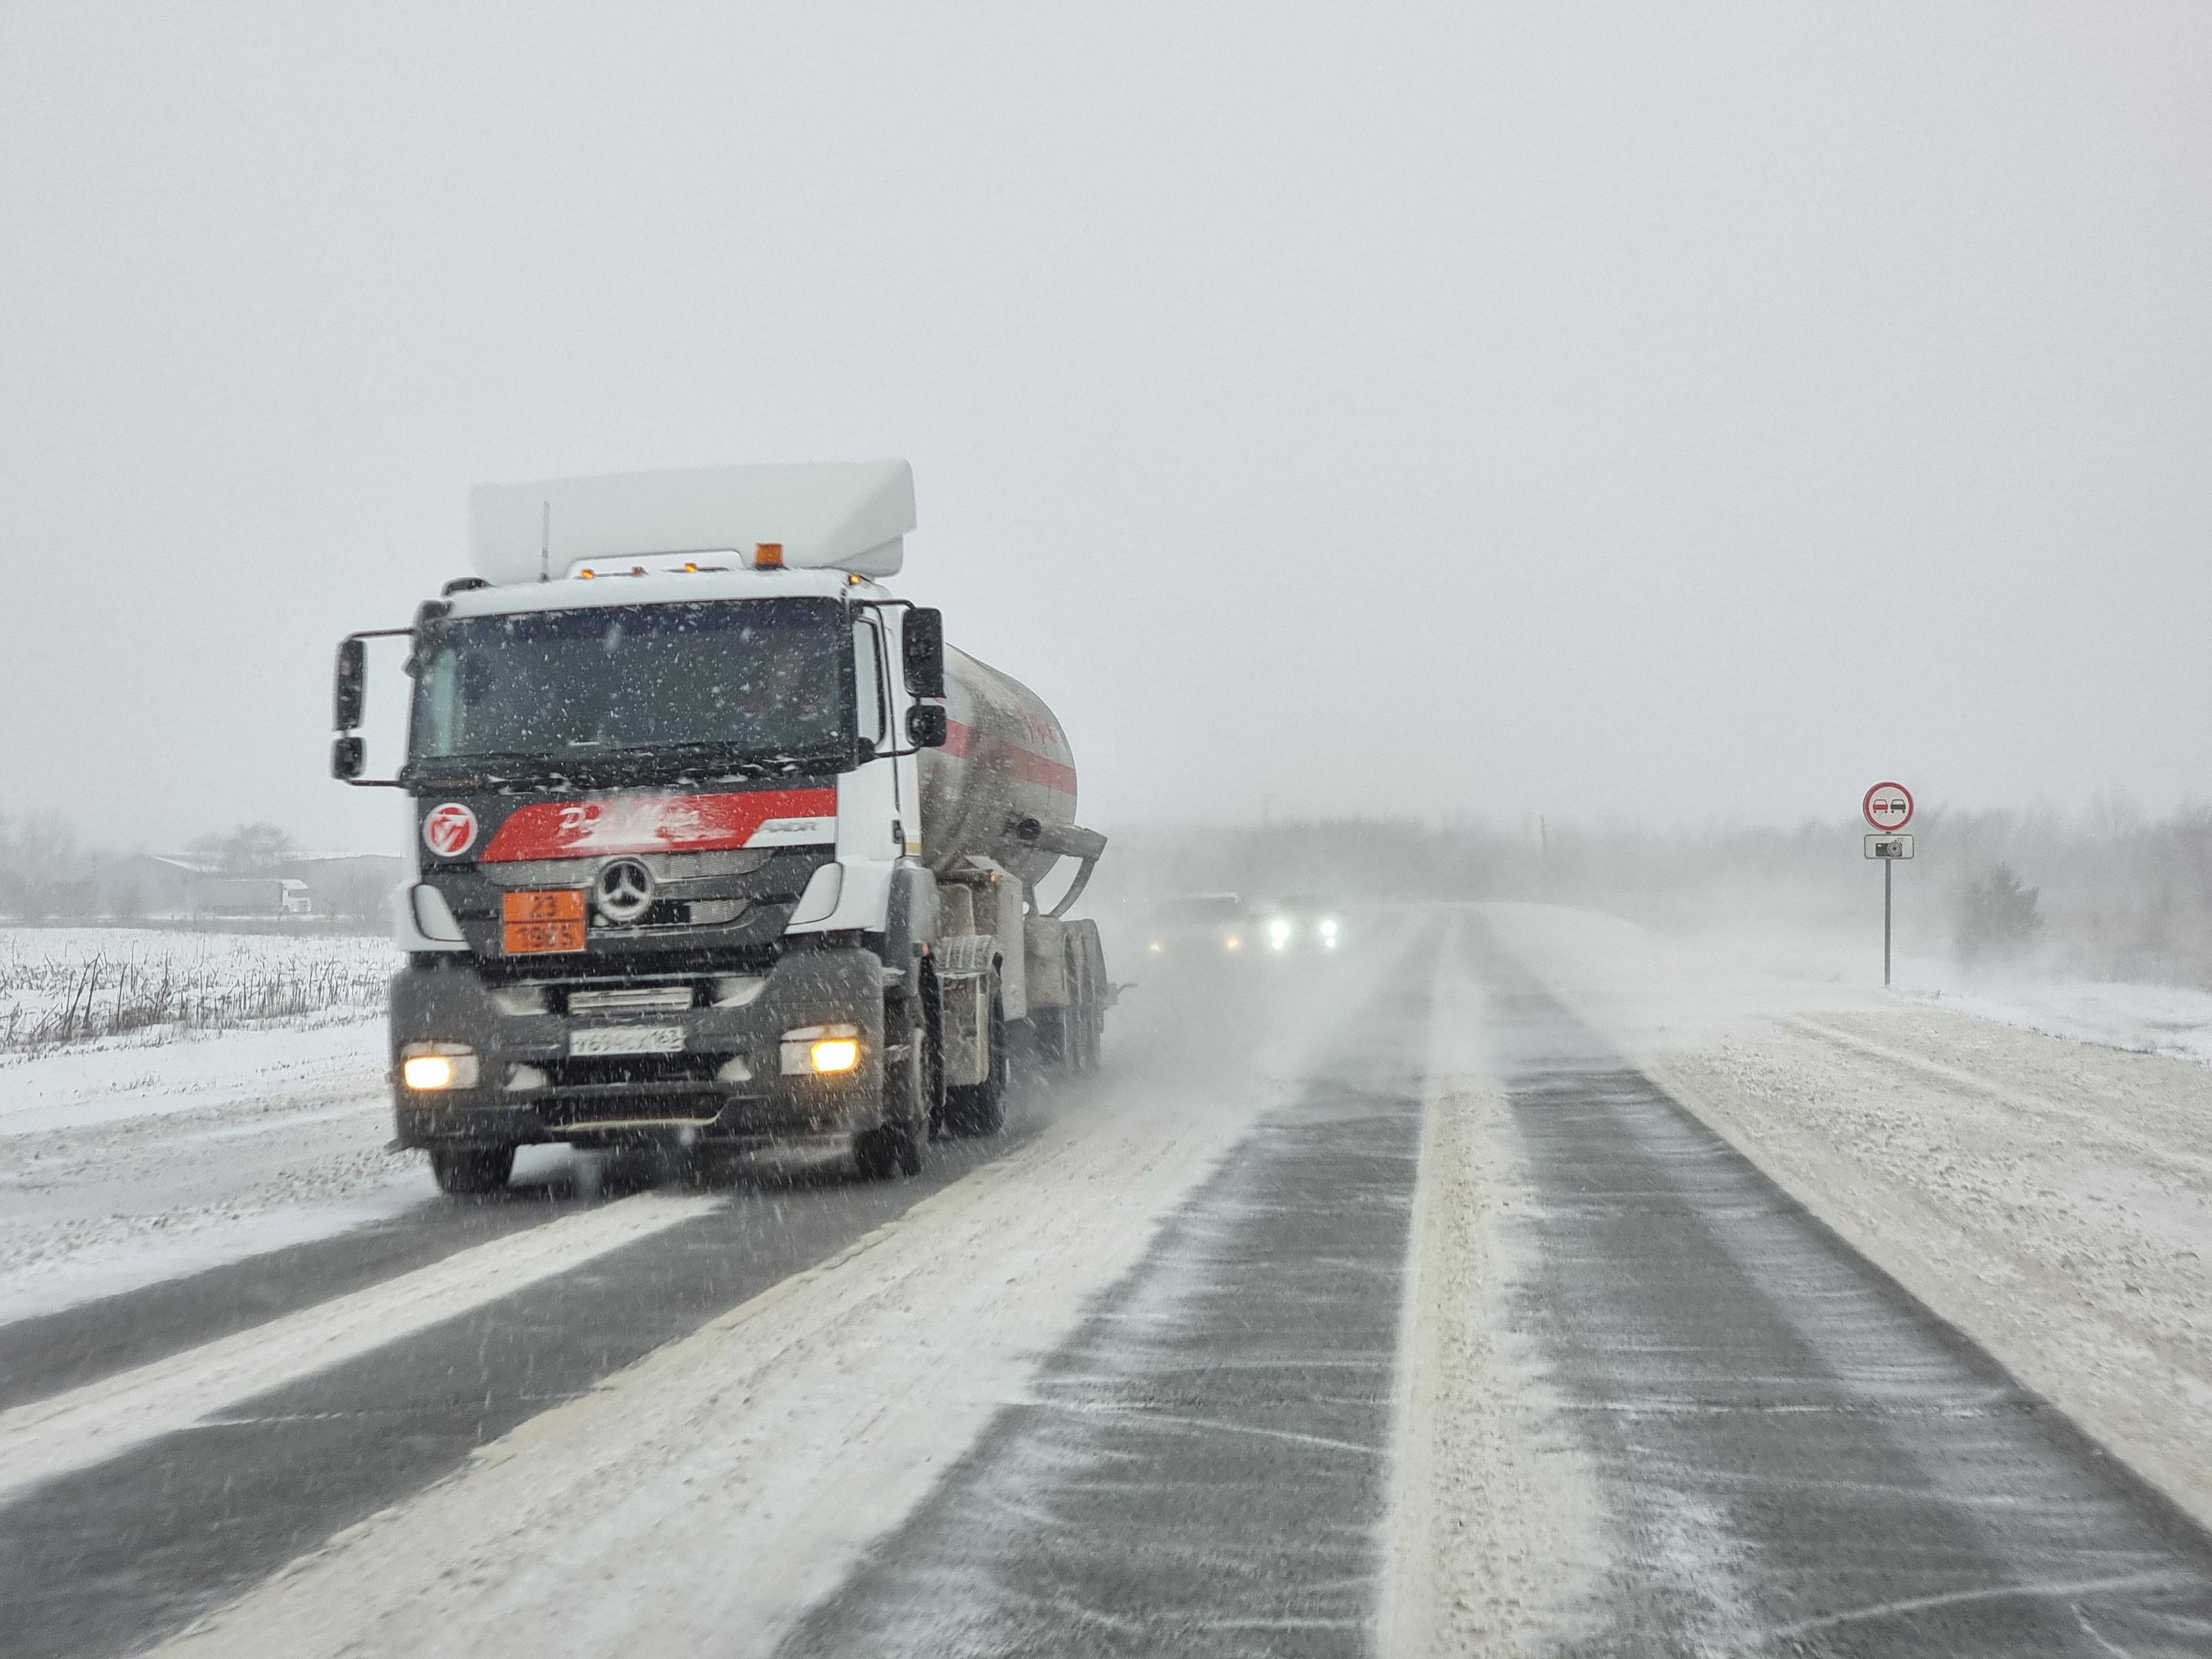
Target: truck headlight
1279 933
821 1050
1328 929
428 1067
836 1054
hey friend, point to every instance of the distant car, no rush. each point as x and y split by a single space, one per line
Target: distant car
1200 927
1305 922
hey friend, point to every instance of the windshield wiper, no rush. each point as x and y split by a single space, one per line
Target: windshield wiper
714 760
489 766
653 763
633 764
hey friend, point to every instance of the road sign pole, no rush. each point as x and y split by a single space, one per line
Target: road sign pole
1888 809
1888 869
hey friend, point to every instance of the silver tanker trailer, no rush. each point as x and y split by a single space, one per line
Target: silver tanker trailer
712 839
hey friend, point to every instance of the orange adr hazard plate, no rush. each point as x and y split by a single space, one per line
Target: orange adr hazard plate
543 921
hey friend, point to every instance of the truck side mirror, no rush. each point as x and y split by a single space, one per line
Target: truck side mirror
353 673
348 756
927 725
922 645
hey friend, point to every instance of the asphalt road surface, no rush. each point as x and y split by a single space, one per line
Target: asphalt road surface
1797 1457
1789 1454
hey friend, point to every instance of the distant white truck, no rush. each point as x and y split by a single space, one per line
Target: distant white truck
251 896
713 838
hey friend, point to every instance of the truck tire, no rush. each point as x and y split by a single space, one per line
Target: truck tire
980 1108
912 1089
471 1171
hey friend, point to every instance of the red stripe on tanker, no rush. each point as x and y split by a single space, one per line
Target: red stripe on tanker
610 824
1006 761
960 741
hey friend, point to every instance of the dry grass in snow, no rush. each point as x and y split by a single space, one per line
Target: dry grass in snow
62 986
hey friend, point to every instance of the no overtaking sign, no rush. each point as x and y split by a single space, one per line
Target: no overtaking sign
1888 807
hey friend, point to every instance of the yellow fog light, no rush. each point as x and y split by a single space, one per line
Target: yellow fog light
835 1055
428 1067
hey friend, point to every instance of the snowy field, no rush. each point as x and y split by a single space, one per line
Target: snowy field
2050 1195
251 1115
66 985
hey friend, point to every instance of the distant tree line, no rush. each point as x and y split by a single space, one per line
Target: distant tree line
47 872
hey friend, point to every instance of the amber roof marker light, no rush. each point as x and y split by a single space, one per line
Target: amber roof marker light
767 556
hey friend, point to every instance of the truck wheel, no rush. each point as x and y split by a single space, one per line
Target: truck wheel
980 1108
879 1154
471 1171
910 1089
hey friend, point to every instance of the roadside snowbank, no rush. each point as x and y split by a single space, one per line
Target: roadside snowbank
1830 968
2051 1198
2157 1019
122 1163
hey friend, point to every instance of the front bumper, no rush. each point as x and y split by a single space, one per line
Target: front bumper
725 1082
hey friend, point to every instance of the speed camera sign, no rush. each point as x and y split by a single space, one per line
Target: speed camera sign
1888 807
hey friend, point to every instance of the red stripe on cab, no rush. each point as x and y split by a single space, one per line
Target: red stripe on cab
606 825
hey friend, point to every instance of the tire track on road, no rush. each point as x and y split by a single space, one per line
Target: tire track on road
106 1419
111 1556
47 1353
1203 1467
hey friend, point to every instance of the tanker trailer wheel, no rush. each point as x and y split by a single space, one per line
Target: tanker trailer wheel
471 1171
1057 1033
1055 1044
912 1087
980 1108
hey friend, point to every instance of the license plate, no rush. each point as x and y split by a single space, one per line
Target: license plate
627 1040
539 921
525 938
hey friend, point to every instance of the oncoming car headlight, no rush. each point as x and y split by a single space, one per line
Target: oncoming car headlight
1278 932
429 1067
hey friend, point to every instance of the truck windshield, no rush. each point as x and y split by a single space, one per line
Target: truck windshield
746 684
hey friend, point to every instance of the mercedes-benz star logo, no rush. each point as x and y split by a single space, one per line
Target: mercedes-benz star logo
623 891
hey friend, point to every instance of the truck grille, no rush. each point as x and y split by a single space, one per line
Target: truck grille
632 1089
634 1072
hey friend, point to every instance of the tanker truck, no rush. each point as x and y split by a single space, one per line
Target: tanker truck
713 841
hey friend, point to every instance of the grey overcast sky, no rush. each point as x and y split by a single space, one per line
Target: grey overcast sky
1686 411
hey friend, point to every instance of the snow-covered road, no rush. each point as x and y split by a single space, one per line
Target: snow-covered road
1503 1287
